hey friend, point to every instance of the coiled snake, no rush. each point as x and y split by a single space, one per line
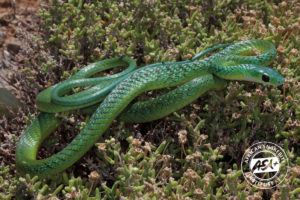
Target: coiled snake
110 97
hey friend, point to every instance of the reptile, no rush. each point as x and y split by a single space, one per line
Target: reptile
111 97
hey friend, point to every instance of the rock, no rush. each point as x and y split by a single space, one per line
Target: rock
7 55
8 102
13 46
6 64
5 3
5 18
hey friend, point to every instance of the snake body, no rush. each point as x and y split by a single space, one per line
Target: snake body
110 97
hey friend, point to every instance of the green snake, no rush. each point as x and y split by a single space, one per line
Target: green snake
110 97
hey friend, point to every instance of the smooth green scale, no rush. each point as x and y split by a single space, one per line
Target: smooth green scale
193 78
174 100
109 109
49 100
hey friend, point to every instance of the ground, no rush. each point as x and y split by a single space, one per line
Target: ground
16 16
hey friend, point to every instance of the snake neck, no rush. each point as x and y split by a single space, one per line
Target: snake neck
238 72
169 75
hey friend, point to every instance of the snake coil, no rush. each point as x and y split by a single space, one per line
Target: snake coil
110 97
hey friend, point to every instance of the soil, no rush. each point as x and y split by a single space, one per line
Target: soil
16 17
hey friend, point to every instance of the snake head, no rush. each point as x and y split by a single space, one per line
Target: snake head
250 72
264 75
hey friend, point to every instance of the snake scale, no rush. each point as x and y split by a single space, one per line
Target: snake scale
110 97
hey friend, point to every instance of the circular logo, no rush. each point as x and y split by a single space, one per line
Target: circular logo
264 165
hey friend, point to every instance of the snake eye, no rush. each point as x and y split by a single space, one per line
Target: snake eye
265 78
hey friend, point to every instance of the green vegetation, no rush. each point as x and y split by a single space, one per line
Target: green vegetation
194 153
